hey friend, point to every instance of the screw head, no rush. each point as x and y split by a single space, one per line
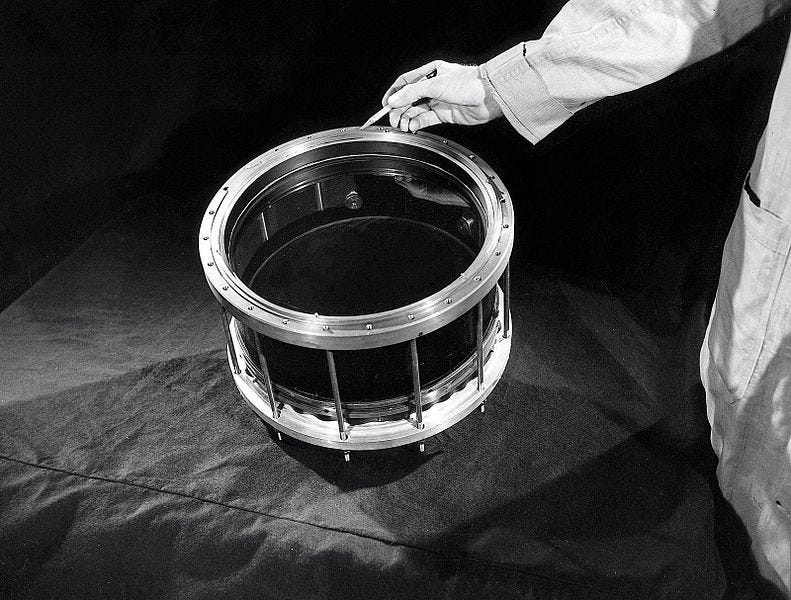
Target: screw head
505 226
225 288
325 327
285 321
211 212
411 317
448 300
211 264
497 253
477 278
205 237
472 156
369 326
250 307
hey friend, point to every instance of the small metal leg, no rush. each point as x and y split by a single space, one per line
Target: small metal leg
421 447
336 394
482 407
279 437
347 456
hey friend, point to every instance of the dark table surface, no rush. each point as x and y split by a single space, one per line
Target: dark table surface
131 468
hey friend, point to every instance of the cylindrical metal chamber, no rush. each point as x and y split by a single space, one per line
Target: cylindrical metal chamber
363 278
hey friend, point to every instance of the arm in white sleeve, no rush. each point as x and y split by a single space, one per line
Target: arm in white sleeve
594 49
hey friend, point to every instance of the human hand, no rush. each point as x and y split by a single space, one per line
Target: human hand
457 94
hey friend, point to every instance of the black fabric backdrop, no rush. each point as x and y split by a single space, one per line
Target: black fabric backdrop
130 466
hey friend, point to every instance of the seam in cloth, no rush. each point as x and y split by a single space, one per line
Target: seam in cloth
293 520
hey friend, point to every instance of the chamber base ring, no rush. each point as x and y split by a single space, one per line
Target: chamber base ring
375 435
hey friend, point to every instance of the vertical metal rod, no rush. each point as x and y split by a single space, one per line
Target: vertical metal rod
226 325
264 230
416 384
319 197
336 394
479 342
265 372
507 301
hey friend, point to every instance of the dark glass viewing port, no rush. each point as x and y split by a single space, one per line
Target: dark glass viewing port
356 235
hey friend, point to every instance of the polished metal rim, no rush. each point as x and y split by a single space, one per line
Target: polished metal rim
369 330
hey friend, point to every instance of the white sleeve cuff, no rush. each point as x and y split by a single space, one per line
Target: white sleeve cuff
522 95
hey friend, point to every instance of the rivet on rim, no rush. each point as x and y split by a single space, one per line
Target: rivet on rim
477 278
225 288
211 212
369 326
472 156
411 317
505 225
448 300
211 264
205 237
285 321
325 327
250 307
498 253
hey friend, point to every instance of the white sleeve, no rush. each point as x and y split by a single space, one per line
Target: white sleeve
594 49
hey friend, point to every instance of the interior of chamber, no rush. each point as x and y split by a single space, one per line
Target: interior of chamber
355 234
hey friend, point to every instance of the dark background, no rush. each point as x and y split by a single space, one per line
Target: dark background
147 107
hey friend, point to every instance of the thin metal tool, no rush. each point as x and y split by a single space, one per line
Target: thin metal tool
386 109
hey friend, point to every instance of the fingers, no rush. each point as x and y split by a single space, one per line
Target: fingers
399 118
411 77
425 119
425 88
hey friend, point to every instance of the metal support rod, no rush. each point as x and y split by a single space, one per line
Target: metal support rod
507 301
336 394
479 342
416 384
226 325
319 197
267 379
264 230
